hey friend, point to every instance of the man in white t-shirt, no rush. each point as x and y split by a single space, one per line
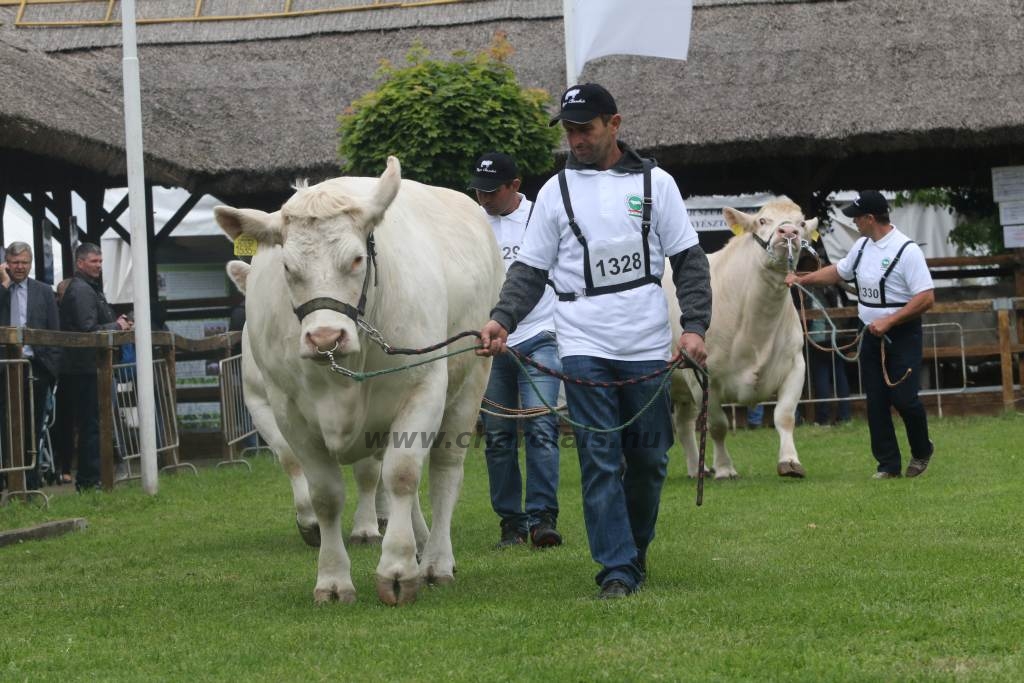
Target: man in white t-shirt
894 289
495 180
601 231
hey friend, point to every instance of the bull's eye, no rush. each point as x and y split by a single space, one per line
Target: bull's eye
763 221
803 224
356 262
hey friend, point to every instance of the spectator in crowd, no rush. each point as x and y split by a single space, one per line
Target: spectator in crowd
601 231
827 368
495 179
26 302
84 308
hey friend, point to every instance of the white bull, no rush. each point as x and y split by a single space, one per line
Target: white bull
437 271
370 509
755 343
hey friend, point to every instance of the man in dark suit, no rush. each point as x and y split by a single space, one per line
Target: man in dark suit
25 302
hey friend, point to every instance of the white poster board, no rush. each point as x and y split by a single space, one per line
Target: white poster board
1008 183
1013 236
1011 213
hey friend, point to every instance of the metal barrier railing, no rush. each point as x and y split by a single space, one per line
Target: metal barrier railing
236 422
16 392
126 421
931 331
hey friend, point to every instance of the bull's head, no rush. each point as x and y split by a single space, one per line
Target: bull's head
779 228
325 233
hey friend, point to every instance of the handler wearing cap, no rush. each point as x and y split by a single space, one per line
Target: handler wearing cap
495 179
894 289
601 229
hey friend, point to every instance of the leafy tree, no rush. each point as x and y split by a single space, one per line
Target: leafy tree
977 229
438 116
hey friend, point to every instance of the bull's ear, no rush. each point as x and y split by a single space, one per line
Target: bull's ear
812 229
238 271
738 221
385 193
264 227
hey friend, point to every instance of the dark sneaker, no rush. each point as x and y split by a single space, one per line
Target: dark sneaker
614 589
886 475
919 465
511 535
543 534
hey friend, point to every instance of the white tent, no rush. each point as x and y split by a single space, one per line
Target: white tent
117 260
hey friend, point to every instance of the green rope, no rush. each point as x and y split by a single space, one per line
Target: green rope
565 418
551 410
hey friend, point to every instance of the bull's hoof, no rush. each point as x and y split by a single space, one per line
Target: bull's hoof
432 577
395 592
382 525
364 539
708 473
791 469
310 534
322 596
727 475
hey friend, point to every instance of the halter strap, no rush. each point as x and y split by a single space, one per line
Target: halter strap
332 304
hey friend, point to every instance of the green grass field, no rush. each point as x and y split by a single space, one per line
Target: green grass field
835 578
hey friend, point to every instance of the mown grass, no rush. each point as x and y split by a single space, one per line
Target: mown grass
835 578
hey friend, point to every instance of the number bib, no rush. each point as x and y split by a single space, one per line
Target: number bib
617 261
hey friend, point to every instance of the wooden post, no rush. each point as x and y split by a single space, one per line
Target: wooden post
1005 358
1018 276
104 387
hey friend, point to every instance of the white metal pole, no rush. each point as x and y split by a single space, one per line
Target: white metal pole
140 250
571 68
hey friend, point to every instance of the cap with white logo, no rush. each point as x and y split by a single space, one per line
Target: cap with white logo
582 103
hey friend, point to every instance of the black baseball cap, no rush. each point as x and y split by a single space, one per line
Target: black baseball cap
491 171
869 202
582 103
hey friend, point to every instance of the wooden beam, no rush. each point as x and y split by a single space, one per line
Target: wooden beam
178 216
104 396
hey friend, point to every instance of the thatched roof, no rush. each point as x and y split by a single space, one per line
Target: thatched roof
776 95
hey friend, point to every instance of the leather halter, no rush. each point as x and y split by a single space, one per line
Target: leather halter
331 304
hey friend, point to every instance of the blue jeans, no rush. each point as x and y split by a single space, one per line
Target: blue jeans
824 366
904 352
623 471
510 388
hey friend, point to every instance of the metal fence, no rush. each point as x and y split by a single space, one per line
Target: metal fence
18 415
947 332
236 422
127 446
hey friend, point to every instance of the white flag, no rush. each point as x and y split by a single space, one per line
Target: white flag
650 28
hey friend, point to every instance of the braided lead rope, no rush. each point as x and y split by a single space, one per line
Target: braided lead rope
681 360
517 413
833 336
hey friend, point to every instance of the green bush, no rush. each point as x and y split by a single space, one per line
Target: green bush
978 229
438 116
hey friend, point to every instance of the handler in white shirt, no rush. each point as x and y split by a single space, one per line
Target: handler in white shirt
495 179
602 230
894 289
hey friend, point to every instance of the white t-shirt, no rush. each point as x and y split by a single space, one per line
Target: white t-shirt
509 231
909 278
627 325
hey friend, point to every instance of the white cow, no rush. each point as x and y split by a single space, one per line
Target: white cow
755 342
370 510
437 271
